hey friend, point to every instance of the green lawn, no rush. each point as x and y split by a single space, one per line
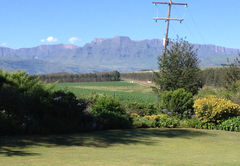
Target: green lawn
140 147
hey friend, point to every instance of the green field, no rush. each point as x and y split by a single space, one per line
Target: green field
140 147
124 91
209 67
107 84
201 67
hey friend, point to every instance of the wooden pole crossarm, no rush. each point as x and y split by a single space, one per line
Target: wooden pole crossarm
172 3
185 4
160 3
177 19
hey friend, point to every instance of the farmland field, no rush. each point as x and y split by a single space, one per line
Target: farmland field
124 91
209 67
113 83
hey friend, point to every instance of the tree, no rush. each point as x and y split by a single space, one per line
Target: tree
178 68
116 76
231 76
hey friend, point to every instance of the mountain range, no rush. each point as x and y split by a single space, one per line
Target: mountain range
101 55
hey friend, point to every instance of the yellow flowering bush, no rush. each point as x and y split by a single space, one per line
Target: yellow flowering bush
134 115
156 117
214 109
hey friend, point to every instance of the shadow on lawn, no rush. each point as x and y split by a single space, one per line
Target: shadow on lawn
17 145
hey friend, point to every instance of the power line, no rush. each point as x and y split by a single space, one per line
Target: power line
196 26
170 3
186 25
163 16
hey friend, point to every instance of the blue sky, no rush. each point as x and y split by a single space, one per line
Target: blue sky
30 23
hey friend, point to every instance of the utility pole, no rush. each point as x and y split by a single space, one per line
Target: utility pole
170 3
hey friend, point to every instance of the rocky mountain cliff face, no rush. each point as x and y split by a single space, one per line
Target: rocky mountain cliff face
104 54
40 52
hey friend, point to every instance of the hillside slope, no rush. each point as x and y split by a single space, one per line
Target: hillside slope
103 54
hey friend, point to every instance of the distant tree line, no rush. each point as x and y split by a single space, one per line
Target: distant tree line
88 77
227 77
141 76
145 70
213 77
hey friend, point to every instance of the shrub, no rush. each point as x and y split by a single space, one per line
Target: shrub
92 97
162 120
137 124
231 124
65 113
207 125
135 106
151 109
191 122
214 109
170 122
142 110
204 92
134 115
178 101
29 106
113 120
107 104
154 117
146 122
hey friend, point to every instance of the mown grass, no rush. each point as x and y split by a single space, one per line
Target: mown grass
139 147
124 91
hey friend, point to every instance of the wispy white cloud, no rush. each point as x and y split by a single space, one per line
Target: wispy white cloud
73 39
52 39
3 44
49 39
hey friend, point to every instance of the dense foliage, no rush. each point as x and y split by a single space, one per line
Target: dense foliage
178 102
231 124
88 77
30 107
214 109
213 76
107 104
142 110
226 77
162 120
141 76
178 68
116 76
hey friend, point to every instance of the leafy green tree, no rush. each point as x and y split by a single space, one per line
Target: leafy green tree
178 68
116 76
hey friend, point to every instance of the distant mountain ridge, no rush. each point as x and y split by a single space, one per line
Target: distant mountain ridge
101 55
